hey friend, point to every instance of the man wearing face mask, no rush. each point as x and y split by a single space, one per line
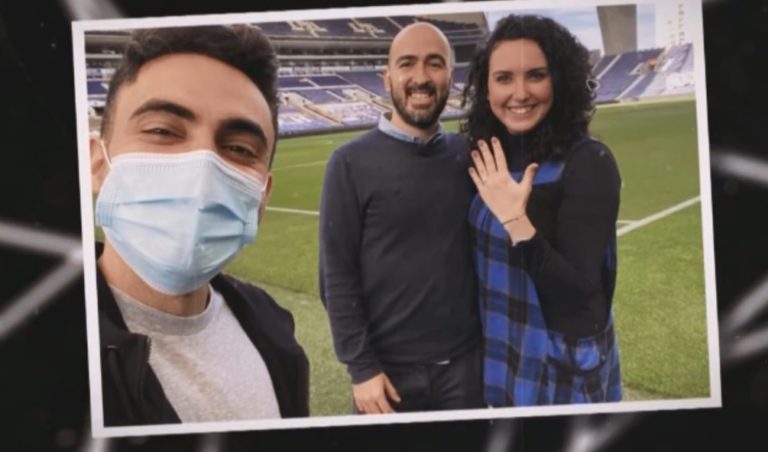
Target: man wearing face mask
182 172
396 272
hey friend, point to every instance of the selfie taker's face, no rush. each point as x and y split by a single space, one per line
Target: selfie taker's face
184 102
519 85
418 76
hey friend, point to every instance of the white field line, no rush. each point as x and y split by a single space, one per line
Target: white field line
631 225
654 100
300 165
656 216
297 211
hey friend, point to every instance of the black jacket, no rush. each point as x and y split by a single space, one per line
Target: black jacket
131 392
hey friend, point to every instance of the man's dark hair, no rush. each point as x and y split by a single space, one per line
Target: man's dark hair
572 84
241 46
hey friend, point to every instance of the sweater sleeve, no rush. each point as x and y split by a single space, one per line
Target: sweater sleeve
341 222
568 271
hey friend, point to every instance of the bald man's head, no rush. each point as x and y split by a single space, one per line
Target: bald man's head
419 33
418 77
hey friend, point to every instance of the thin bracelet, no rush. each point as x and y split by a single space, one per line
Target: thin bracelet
504 223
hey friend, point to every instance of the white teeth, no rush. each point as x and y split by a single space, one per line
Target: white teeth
520 110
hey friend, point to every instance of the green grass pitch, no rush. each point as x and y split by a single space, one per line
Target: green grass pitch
659 302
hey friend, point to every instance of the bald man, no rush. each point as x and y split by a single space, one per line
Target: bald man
396 274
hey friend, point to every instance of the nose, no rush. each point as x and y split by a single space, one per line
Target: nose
520 92
420 74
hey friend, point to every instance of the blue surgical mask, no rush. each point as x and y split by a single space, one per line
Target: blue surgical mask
178 219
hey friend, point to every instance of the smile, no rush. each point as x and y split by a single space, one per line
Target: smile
421 100
521 110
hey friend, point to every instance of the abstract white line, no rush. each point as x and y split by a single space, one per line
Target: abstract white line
742 166
35 240
748 310
38 294
745 346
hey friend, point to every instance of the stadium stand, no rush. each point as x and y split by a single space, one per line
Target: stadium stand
97 89
454 31
332 29
328 80
341 93
294 82
352 113
679 58
403 21
451 113
369 80
602 64
292 120
284 29
380 26
671 73
460 74
639 87
341 28
317 96
619 75
341 86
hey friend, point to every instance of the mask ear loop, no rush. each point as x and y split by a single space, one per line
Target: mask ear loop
263 188
105 154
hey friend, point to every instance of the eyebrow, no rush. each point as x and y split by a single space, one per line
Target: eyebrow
429 57
507 71
435 56
242 125
164 106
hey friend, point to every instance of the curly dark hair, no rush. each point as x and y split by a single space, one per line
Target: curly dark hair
572 82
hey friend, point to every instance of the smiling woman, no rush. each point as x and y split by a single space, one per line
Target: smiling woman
519 85
544 219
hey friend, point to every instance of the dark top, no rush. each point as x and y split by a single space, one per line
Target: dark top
396 273
132 394
575 219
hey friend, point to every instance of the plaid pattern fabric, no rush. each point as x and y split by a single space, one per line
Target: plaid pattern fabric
525 363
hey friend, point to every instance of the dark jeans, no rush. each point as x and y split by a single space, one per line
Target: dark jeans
455 385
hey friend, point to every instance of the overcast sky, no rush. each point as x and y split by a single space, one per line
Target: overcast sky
583 23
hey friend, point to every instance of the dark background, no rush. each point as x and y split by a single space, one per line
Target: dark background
43 365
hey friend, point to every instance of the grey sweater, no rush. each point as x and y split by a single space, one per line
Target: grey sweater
207 366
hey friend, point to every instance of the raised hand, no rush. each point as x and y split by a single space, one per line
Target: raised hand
506 198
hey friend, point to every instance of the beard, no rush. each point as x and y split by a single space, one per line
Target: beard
421 119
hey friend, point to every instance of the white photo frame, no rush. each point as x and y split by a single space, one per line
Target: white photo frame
80 29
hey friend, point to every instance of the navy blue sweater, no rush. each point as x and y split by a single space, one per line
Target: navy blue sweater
396 271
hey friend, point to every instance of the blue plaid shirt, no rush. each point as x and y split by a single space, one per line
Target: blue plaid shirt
525 362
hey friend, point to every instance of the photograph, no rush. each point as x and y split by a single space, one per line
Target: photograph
365 215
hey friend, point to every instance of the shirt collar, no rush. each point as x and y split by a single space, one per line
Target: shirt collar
386 126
